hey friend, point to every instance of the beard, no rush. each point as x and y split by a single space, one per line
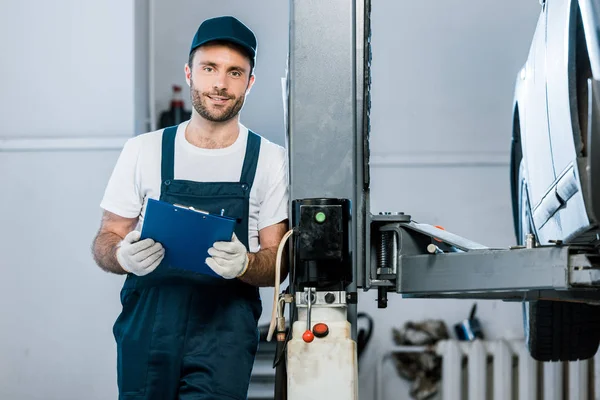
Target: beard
215 114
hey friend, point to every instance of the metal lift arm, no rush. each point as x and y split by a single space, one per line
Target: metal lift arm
420 260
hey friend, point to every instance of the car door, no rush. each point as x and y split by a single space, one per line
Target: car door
537 152
561 92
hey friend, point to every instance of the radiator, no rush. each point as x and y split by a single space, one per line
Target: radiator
502 370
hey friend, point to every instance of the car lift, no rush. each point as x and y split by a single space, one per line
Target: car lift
338 247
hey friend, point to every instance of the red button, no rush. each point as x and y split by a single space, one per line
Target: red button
320 330
308 336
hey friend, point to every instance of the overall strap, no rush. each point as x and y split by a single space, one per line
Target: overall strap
168 153
250 159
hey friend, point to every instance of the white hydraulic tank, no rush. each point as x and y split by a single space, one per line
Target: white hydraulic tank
326 367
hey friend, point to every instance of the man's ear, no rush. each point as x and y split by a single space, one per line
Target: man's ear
188 74
250 84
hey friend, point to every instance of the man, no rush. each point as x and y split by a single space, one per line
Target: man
184 335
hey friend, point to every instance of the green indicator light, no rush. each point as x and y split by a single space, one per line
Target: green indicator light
320 217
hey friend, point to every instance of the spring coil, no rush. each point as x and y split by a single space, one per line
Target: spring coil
384 249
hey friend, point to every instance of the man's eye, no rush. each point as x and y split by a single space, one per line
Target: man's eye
236 74
208 69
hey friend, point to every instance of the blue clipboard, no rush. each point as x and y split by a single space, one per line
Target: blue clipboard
186 234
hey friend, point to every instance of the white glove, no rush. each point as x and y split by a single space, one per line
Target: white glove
139 257
228 259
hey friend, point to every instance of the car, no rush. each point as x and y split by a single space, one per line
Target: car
555 165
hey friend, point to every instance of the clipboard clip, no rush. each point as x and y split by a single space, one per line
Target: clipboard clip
200 211
191 208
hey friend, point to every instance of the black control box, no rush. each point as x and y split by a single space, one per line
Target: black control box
322 245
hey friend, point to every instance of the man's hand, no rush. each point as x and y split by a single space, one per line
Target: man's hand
139 257
228 259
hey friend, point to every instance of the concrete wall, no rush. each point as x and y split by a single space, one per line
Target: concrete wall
67 105
74 90
67 68
443 81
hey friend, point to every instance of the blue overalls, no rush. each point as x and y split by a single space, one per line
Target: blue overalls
183 335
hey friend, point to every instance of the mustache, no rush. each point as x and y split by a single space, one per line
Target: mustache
219 94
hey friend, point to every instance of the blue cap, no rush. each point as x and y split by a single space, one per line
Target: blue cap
228 29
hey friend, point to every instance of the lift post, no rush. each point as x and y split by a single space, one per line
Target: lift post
327 112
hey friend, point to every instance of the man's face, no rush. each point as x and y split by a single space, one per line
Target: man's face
219 81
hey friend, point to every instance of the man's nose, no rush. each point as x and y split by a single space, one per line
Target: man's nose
220 81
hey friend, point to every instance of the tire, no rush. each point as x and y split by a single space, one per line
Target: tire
560 331
555 330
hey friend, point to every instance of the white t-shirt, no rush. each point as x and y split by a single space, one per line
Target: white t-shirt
137 176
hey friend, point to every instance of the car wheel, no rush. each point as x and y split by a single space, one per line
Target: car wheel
556 330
